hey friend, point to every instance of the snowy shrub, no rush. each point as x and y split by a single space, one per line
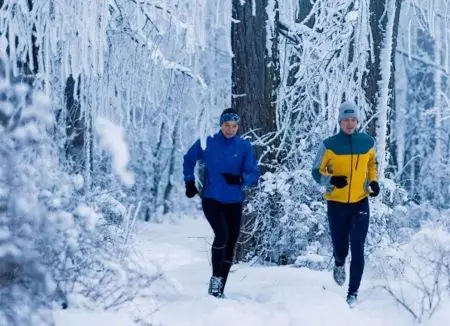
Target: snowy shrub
417 273
385 222
31 229
394 219
102 273
288 221
110 202
55 245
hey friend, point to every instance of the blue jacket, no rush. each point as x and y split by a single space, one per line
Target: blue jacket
222 155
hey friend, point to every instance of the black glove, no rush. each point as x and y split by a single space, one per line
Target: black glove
191 189
375 187
339 181
232 179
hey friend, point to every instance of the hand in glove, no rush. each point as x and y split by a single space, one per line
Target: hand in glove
375 187
339 181
232 179
191 189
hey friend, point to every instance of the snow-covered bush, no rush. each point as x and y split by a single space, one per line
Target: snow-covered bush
289 220
55 245
417 273
33 227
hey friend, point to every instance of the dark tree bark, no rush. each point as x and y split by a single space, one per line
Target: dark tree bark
378 25
255 75
392 102
255 78
378 21
157 170
169 186
74 125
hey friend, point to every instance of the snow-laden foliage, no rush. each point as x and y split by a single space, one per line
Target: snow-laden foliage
421 129
35 228
158 69
417 271
155 75
321 69
53 244
284 226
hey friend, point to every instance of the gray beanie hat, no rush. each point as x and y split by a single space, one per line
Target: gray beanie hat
348 110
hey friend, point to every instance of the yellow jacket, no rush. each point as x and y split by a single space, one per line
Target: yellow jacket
352 156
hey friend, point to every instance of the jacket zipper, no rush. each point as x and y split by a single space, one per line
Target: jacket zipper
351 167
357 161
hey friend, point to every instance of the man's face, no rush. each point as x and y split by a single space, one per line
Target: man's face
229 128
349 125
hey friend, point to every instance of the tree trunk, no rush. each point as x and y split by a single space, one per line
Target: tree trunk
379 81
75 126
255 74
438 168
157 168
169 185
255 78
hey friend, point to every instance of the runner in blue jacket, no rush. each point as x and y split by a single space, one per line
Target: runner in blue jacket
229 166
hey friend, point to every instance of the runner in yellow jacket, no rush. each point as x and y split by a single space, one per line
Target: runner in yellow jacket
346 165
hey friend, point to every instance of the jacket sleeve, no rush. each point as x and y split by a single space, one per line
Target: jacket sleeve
319 170
372 165
190 159
250 174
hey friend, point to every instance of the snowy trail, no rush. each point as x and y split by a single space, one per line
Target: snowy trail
255 295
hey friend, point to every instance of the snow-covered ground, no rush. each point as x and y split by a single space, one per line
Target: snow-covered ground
257 296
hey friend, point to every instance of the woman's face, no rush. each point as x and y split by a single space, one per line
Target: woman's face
229 128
